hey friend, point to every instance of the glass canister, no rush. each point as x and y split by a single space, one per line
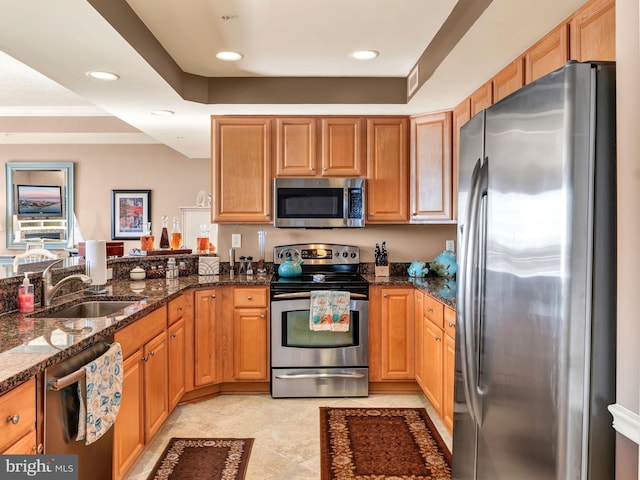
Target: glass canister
176 235
146 239
203 240
164 236
261 247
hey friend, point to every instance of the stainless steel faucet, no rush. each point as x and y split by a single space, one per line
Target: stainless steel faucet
49 290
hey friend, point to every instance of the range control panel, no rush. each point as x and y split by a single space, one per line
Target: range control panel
317 253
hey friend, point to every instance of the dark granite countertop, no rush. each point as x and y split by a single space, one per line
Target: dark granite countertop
28 344
440 288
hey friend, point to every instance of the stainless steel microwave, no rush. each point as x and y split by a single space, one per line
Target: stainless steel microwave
318 202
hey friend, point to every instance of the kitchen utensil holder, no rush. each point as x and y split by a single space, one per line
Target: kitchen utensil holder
382 270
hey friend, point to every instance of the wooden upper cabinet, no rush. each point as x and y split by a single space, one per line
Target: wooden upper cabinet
241 173
593 32
296 146
482 98
508 80
431 168
387 186
343 146
461 115
549 54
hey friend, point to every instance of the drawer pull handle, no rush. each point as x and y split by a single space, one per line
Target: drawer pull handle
13 418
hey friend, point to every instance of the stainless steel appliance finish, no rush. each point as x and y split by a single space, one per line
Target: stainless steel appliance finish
318 202
535 346
61 419
307 363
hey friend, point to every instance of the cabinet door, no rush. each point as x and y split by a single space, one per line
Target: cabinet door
431 168
387 186
18 414
250 340
549 54
433 349
295 146
482 98
593 32
461 115
508 80
342 151
27 445
418 336
128 434
156 385
397 330
448 372
177 356
206 328
241 172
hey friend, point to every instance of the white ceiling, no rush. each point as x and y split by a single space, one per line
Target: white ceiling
47 51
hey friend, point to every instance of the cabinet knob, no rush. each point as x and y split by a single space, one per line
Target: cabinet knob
324 169
262 315
267 215
451 325
313 169
37 448
145 358
430 310
152 353
213 295
174 335
414 214
437 338
249 298
384 295
371 214
13 418
179 309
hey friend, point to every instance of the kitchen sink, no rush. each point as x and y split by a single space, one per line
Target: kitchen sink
91 309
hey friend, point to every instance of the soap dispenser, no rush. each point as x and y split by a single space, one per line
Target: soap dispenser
25 295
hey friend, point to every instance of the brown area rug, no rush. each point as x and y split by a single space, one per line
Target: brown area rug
381 443
203 459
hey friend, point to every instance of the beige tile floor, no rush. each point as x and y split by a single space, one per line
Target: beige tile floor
286 431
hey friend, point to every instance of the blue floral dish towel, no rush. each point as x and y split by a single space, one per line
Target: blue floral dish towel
340 311
100 392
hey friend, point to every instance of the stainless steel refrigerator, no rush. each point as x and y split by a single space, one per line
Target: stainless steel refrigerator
535 332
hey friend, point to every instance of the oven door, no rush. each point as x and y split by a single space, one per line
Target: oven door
294 344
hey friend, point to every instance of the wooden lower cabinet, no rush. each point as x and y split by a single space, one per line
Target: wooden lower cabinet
207 337
246 334
435 354
391 331
145 394
176 340
18 426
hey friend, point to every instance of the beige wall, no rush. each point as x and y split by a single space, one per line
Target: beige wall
173 179
628 122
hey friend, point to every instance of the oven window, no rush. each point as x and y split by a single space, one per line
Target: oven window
310 203
296 332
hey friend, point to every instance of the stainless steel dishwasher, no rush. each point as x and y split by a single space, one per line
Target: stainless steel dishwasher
61 417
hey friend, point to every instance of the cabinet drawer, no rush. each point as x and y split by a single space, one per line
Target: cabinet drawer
25 446
18 404
450 321
249 297
179 308
133 336
433 310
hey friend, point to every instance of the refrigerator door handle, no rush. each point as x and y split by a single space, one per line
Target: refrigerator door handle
469 312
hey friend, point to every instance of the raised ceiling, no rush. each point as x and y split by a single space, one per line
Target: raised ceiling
296 59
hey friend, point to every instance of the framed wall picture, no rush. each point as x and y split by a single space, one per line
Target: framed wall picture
130 210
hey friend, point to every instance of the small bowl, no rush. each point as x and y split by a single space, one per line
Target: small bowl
137 274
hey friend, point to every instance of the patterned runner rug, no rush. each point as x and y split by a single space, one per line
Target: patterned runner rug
203 459
381 443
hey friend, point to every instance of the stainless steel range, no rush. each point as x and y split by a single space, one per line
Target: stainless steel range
310 363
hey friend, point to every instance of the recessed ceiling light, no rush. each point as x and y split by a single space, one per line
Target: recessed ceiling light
229 56
164 113
364 54
98 75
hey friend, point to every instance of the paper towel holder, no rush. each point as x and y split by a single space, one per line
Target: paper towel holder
93 289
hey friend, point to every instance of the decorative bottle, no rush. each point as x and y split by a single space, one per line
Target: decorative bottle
176 235
164 236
